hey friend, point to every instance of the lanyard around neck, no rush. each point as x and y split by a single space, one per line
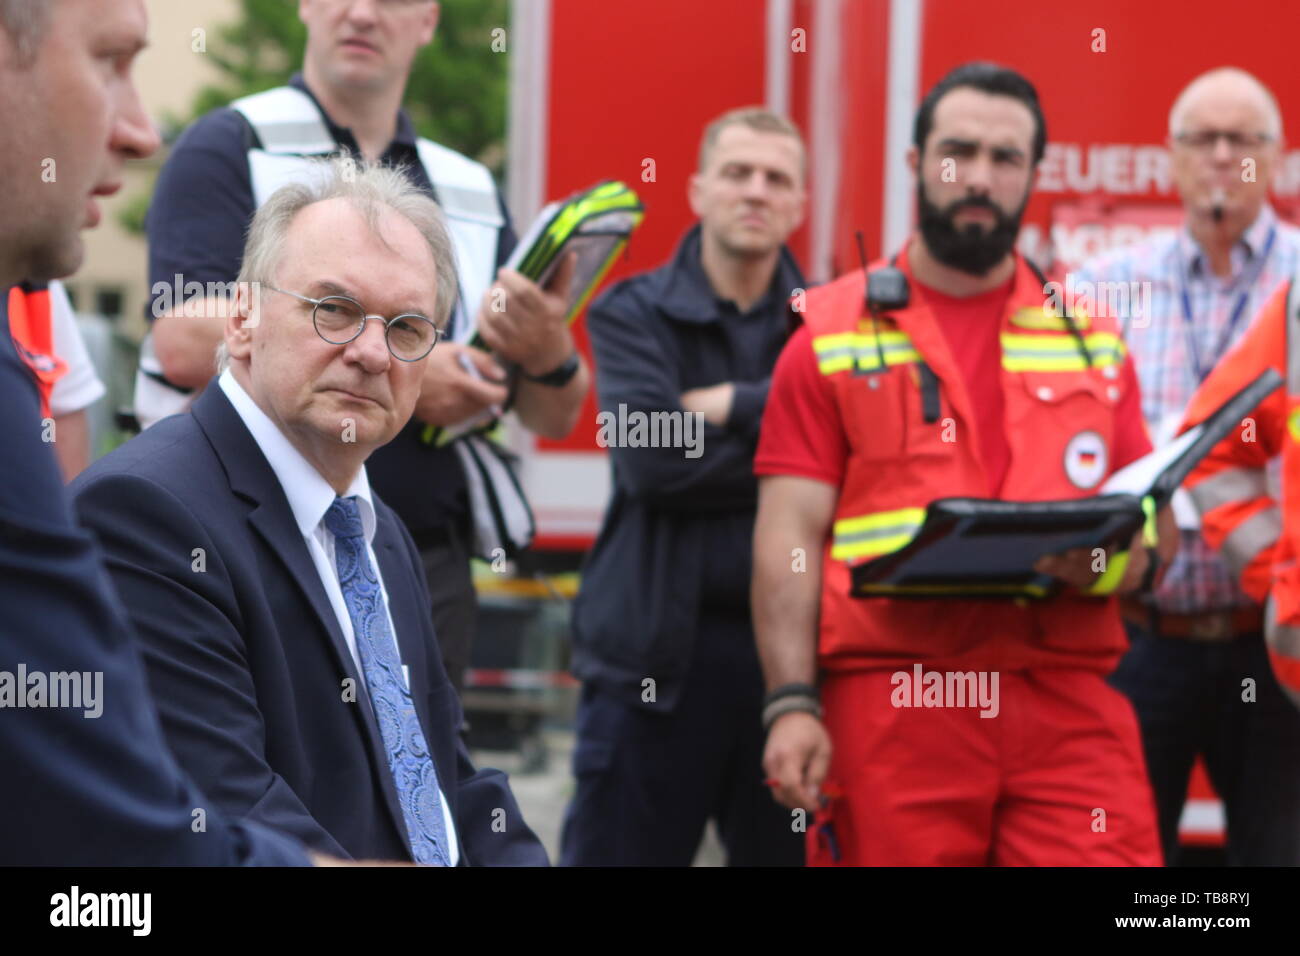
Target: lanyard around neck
1234 318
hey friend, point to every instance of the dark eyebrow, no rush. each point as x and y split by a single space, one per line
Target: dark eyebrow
973 145
954 142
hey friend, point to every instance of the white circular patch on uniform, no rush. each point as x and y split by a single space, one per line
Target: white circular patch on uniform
1086 460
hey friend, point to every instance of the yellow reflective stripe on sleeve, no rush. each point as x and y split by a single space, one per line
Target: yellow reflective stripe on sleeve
1045 318
846 351
835 353
1150 528
875 534
1059 353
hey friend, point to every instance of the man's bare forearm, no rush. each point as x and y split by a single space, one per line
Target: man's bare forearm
786 587
185 341
72 443
552 412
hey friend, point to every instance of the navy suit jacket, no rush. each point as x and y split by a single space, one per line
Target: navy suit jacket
258 693
77 790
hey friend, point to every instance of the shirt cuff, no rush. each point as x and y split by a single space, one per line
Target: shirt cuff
747 403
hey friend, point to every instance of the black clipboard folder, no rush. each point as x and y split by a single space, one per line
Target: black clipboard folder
979 548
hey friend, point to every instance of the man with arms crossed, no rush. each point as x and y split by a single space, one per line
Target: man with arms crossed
665 590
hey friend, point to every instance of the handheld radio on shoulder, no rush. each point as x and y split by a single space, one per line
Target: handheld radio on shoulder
887 287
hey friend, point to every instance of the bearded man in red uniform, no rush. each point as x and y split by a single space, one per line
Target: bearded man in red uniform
971 389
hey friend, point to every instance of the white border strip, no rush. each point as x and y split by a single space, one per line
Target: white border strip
527 139
902 97
825 113
527 133
1204 817
776 76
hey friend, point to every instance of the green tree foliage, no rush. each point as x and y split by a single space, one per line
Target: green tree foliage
458 87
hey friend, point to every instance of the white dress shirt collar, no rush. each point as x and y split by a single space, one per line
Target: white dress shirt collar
309 494
1251 244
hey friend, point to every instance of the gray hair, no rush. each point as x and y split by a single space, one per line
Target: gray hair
1273 115
369 189
25 21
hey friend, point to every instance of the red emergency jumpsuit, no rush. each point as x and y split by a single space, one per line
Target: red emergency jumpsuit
1053 772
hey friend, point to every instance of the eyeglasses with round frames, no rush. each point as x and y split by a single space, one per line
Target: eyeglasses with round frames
339 319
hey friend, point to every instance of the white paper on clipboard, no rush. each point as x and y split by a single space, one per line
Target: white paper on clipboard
1137 477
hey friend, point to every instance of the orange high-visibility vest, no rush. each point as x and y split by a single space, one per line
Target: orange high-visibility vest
1061 391
31 325
1239 515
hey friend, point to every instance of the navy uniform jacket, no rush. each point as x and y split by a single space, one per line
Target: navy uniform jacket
676 541
78 791
246 659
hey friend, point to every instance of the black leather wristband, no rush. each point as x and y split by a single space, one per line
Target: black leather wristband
791 703
557 377
791 690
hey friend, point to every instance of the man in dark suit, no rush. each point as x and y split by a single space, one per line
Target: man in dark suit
91 784
281 605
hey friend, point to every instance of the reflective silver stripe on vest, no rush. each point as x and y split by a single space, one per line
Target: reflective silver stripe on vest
290 138
481 204
1283 638
1293 338
1284 641
287 122
468 197
1235 484
1251 537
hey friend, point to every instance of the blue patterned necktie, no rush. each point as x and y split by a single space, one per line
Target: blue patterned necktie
399 726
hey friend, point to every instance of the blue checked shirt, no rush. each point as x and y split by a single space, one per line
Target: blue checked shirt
1171 355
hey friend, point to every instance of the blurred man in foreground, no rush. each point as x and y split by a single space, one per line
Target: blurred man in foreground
89 778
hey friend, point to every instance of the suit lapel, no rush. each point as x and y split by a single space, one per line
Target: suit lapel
252 478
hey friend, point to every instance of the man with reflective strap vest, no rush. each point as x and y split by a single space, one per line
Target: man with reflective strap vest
1239 513
974 389
348 97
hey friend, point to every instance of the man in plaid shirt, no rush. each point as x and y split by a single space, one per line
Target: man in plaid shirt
1198 638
